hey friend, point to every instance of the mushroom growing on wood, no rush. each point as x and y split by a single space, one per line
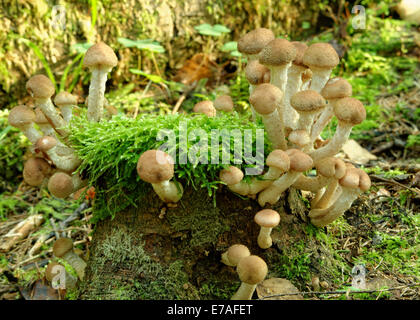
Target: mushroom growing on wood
335 89
267 219
23 118
100 59
352 184
251 270
233 176
66 102
157 168
52 272
322 59
251 43
206 107
36 171
63 248
299 162
41 89
265 99
234 254
349 112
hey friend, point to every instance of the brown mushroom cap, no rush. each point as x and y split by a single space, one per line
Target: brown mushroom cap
267 218
45 143
307 101
331 167
299 161
252 269
277 52
356 178
40 117
60 185
205 107
40 87
100 55
231 175
300 50
64 98
337 88
299 137
254 41
223 103
236 252
350 110
155 166
35 170
321 55
62 246
49 270
265 98
278 159
21 116
255 72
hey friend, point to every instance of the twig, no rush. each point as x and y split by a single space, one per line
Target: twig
340 291
183 97
396 183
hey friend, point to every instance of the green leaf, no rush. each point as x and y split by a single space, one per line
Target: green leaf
145 44
229 46
152 77
81 47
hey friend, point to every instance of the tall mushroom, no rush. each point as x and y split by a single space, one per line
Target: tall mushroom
157 168
349 112
265 99
41 89
352 184
232 177
234 254
66 102
251 270
23 118
63 248
100 59
335 89
307 103
322 59
299 163
267 219
251 43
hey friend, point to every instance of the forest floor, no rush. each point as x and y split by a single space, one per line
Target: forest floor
380 231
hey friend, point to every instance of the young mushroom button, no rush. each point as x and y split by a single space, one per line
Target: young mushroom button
233 176
251 271
100 59
23 118
206 107
234 254
60 185
251 43
223 103
267 219
63 248
35 171
157 168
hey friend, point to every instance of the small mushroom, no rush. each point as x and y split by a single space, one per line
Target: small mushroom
206 107
251 43
349 112
223 103
299 163
234 254
322 59
335 89
66 161
267 219
157 168
100 59
300 138
251 270
41 89
36 171
23 118
232 177
265 99
53 270
63 248
307 103
61 185
66 102
255 73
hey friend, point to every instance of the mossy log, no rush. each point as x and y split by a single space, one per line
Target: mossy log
159 252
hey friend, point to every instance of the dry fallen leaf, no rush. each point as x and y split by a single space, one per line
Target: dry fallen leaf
356 153
274 286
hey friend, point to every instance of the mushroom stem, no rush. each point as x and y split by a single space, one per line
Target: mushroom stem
264 238
294 83
322 121
273 123
97 94
52 115
257 185
168 191
78 264
273 192
310 184
327 195
320 77
244 292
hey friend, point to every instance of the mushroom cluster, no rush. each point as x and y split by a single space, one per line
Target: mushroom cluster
54 163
